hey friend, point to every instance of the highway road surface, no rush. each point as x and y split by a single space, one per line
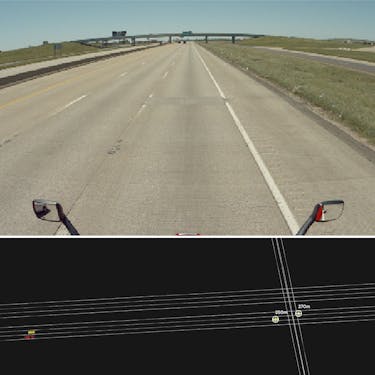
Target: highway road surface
172 140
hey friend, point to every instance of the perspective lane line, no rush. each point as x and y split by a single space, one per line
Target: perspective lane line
279 198
36 93
69 104
55 85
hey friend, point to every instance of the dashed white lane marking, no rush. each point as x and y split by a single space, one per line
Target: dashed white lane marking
165 74
141 109
123 74
279 198
70 104
74 101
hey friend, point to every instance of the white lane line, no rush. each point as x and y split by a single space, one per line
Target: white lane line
70 104
279 198
74 101
165 74
123 74
140 110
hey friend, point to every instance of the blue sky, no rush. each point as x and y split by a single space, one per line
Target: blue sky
29 22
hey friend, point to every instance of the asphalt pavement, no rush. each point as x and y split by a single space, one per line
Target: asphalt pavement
172 140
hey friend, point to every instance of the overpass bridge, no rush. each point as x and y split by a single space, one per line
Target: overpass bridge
159 36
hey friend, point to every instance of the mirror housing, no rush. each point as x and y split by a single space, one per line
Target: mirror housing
323 212
328 210
48 210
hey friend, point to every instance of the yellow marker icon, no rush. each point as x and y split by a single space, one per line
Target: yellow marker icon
275 319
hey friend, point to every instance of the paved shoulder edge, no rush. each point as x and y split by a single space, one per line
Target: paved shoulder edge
25 76
364 149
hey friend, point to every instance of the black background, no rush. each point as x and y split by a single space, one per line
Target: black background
49 269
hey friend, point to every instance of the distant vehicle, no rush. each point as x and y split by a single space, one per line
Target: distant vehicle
322 212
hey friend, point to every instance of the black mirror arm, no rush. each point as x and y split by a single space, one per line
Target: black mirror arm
69 226
305 227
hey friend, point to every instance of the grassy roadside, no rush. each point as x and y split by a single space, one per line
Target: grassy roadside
346 96
29 55
338 48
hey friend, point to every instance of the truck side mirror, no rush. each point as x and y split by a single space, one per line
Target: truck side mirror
329 210
48 210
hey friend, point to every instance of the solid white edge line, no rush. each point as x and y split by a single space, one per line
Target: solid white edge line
279 198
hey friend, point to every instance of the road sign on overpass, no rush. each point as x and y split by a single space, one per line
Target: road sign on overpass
118 34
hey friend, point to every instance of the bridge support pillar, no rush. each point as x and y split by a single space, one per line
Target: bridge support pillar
206 38
233 39
133 41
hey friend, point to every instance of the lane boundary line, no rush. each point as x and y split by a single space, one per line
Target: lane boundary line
279 198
